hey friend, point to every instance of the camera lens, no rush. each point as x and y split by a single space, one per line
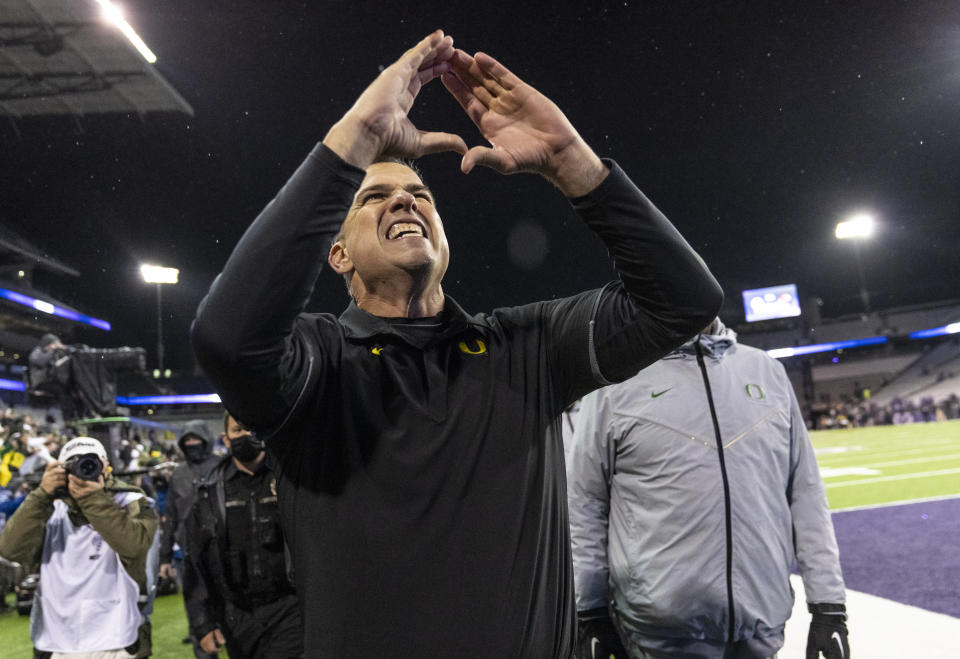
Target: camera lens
89 467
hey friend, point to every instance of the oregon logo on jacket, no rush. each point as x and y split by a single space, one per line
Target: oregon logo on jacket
755 391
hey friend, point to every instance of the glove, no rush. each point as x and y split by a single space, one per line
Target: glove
597 638
828 632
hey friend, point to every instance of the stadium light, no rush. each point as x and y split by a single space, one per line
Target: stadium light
112 13
155 274
159 275
858 226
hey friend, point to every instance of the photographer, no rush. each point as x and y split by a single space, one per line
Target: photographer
78 529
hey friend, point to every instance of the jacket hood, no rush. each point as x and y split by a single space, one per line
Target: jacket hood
715 344
198 429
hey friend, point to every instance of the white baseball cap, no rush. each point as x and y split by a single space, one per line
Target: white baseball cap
83 446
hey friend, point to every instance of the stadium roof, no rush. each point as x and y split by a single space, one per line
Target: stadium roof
63 57
17 253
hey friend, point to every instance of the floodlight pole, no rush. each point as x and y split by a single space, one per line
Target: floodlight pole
160 327
153 274
864 293
856 229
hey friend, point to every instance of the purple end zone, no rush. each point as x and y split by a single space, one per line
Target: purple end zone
908 553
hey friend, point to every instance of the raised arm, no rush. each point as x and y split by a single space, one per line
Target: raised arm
244 334
668 294
526 130
129 530
377 124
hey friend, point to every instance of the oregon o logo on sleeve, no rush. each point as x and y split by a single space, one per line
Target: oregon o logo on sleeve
475 347
755 391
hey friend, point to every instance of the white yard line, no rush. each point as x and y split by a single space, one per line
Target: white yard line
899 477
874 454
864 445
897 463
903 502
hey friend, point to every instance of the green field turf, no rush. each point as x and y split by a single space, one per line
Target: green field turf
889 464
169 627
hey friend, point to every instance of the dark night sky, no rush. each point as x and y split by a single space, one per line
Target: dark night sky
755 126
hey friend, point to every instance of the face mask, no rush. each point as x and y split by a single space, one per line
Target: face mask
195 452
245 448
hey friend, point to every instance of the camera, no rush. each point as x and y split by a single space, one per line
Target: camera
87 467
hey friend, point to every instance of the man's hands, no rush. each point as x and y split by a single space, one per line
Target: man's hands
597 638
167 571
212 642
828 635
528 131
80 488
377 124
54 476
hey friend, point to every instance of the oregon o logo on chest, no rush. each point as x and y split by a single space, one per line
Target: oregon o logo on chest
755 391
474 347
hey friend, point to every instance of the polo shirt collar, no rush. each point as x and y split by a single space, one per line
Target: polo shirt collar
359 324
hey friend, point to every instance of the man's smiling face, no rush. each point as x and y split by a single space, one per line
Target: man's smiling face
391 229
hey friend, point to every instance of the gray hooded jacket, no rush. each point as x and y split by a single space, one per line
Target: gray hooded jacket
183 488
648 500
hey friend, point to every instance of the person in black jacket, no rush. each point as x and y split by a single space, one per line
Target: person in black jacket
235 581
196 444
422 496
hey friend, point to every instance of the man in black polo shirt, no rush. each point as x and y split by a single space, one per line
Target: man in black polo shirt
421 475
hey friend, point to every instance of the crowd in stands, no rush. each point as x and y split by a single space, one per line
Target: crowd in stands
852 413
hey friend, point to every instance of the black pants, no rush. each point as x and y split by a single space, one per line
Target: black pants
270 631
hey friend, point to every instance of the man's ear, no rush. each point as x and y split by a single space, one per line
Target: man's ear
339 259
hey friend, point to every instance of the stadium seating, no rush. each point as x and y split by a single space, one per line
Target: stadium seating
932 374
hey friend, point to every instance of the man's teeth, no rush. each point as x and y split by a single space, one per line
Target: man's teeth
401 229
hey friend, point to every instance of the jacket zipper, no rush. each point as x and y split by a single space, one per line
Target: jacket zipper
726 490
